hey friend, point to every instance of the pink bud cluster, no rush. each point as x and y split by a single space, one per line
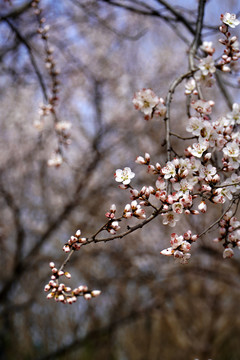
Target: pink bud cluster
229 233
134 209
75 242
62 293
231 52
113 225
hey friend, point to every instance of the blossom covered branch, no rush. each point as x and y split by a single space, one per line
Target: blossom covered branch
206 174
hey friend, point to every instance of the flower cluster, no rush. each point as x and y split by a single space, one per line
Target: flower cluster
206 174
134 209
149 103
180 246
229 233
62 293
75 242
231 52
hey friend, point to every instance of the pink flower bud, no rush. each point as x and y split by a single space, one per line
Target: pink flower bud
50 296
78 233
123 187
95 293
87 296
113 208
147 157
222 231
134 193
140 213
202 207
194 238
187 235
228 253
158 166
47 287
178 254
68 275
167 252
140 160
127 208
127 215
151 169
134 204
170 199
207 157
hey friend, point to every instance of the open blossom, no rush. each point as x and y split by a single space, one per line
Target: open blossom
207 172
125 176
231 149
183 186
228 253
207 65
230 20
176 240
197 149
177 207
195 125
169 170
170 218
146 100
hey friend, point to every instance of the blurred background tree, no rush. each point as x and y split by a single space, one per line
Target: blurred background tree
150 307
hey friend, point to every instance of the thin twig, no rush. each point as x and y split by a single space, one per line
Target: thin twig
197 41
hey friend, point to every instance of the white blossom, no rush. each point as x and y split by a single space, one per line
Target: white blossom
207 65
228 253
231 149
170 218
125 176
146 100
230 20
168 170
197 149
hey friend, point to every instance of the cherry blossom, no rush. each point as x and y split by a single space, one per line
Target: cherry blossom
230 20
197 149
169 170
125 176
207 66
189 184
146 100
170 218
